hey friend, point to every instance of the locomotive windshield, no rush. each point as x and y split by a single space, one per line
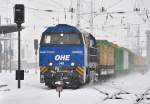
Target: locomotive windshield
62 38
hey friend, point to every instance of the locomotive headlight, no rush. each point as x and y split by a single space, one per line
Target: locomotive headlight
50 63
72 63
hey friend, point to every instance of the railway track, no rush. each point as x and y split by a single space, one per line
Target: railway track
112 95
3 86
5 90
138 98
143 97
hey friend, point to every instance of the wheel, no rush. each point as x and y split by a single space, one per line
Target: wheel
76 84
51 87
75 87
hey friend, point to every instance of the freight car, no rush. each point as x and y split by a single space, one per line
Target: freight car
112 59
74 57
139 63
106 58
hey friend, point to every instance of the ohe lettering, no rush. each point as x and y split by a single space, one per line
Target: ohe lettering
62 57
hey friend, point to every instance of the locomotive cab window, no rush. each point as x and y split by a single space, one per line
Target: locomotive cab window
91 43
62 38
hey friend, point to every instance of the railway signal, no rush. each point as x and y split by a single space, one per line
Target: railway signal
36 48
35 45
19 14
19 19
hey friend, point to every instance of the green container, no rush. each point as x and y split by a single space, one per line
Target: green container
118 59
103 42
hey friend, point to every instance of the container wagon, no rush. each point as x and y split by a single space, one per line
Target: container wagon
105 58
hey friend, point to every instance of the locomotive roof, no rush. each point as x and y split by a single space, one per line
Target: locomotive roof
62 28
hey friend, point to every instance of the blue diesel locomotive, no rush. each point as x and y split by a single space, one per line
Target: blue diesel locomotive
67 54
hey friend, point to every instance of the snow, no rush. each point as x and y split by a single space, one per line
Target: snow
32 92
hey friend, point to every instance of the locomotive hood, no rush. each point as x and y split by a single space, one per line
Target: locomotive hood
62 55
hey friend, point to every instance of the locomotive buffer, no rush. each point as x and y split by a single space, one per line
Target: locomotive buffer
59 87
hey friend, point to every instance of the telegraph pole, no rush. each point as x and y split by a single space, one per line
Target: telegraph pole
138 40
0 51
8 21
91 18
0 20
148 48
78 13
10 45
36 48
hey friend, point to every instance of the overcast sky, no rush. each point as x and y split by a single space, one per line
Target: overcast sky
116 27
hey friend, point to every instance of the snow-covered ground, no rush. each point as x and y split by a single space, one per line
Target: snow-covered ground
121 90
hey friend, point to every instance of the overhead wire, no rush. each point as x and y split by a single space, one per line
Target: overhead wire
37 9
143 3
87 13
87 4
115 4
44 10
48 3
101 2
59 4
101 5
84 19
103 13
117 12
146 11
